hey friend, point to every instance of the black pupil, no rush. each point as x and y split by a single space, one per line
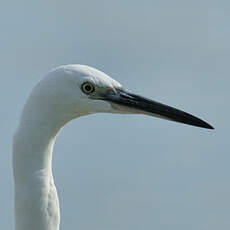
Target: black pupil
88 88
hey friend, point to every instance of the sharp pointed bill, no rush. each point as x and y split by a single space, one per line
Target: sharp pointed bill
132 103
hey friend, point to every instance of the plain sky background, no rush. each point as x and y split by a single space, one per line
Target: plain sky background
127 172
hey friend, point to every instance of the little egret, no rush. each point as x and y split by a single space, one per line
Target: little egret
67 92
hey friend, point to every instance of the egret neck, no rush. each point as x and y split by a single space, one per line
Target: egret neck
36 200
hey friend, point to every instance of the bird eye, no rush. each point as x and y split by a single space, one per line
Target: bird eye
88 87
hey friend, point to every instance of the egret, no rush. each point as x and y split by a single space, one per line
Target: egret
65 93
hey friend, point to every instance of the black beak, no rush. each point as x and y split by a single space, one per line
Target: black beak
132 103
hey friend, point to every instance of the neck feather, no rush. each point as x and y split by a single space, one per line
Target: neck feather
36 201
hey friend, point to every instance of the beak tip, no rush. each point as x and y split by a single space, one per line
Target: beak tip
207 126
210 127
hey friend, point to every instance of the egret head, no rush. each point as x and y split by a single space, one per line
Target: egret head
75 90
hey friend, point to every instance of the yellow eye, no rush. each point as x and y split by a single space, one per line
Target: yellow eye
88 88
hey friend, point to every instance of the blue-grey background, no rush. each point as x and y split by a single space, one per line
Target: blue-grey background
127 172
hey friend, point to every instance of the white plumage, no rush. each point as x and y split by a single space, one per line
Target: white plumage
65 93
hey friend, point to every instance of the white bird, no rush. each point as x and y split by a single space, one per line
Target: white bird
67 92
